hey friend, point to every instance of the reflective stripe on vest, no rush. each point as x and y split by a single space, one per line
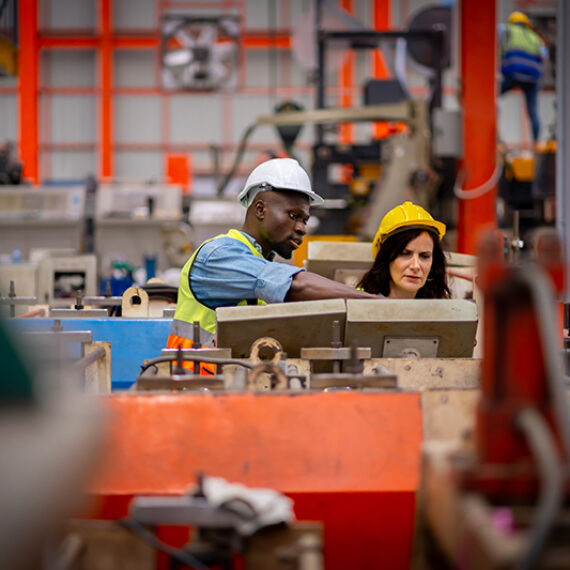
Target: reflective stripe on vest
521 50
189 309
186 330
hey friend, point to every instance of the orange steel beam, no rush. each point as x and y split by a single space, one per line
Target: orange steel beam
381 21
106 82
346 80
252 40
28 87
478 55
281 40
68 42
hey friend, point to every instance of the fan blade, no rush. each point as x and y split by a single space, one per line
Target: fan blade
169 27
207 36
223 50
189 74
185 38
230 27
217 71
177 57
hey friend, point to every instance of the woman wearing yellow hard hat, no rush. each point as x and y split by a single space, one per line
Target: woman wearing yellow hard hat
409 262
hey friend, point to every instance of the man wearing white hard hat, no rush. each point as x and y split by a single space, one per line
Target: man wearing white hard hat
236 268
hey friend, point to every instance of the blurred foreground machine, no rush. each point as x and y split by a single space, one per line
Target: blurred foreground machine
499 500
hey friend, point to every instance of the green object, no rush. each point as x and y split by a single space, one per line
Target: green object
17 378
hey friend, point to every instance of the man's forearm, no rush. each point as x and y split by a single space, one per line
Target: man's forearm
308 286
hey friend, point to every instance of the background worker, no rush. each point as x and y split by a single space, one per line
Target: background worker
522 53
409 262
237 268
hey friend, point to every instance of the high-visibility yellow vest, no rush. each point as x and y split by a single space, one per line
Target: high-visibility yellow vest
521 53
189 309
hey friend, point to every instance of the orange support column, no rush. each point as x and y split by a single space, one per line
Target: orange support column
381 20
346 80
478 51
29 49
105 82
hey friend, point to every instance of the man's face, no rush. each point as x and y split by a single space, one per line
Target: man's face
283 220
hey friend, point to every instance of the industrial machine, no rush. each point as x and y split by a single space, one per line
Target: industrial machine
386 171
498 499
44 217
527 192
133 221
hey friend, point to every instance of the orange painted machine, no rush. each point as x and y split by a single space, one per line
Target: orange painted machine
358 475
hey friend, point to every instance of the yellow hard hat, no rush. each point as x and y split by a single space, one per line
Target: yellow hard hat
404 216
519 18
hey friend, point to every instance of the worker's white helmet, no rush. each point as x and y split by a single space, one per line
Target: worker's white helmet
278 174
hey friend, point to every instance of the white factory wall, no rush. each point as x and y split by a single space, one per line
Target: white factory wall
8 111
69 122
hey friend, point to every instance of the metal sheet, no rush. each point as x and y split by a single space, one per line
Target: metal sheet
452 321
294 325
429 373
327 257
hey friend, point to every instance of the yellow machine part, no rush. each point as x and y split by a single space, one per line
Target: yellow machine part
300 254
360 185
545 147
520 168
8 58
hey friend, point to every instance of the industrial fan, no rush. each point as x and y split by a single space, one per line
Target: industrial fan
199 53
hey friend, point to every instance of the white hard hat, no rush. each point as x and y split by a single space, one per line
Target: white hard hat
278 174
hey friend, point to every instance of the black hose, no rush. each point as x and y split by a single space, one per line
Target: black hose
237 160
209 359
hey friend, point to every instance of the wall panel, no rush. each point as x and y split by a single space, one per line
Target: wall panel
72 165
8 117
137 119
68 68
73 119
196 118
68 14
133 14
140 165
134 68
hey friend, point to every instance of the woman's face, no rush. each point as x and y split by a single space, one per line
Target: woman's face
410 269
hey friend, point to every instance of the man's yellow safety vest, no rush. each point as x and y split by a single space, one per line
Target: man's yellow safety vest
189 309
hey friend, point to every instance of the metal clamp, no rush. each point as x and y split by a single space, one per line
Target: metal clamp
267 376
265 343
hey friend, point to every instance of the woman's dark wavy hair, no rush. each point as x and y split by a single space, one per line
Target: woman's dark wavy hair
377 278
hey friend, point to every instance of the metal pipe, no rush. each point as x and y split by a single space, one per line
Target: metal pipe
541 442
88 359
541 292
102 301
34 313
563 134
320 71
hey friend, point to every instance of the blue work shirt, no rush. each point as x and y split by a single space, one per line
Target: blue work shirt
225 272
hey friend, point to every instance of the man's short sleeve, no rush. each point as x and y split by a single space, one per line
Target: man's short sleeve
225 272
